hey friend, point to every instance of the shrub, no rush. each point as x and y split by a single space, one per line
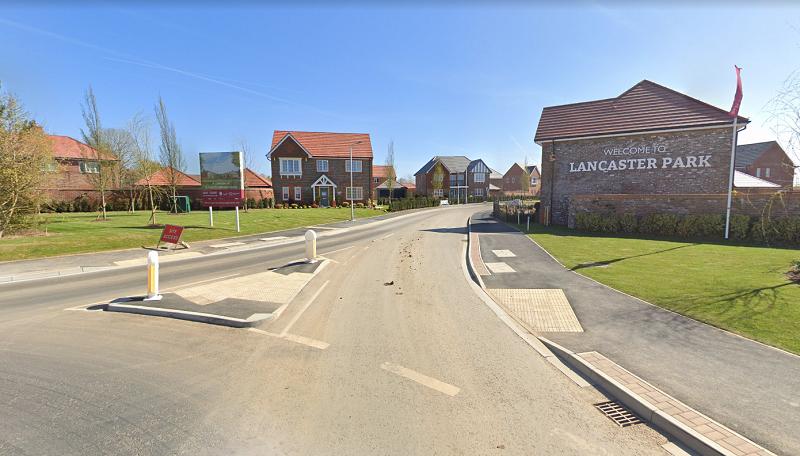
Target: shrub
740 226
345 203
314 205
333 203
293 205
279 206
627 223
659 224
360 205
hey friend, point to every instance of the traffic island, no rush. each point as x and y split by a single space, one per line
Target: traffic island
240 302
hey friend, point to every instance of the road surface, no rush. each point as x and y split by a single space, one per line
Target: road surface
387 351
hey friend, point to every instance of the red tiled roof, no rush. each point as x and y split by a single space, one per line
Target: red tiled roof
645 106
335 145
161 178
66 147
380 171
253 179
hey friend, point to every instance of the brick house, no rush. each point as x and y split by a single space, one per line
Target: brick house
70 175
766 160
256 186
512 180
453 177
650 149
379 175
314 167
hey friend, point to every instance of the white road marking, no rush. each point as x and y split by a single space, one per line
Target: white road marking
274 238
294 338
503 253
499 267
422 379
303 309
387 236
339 250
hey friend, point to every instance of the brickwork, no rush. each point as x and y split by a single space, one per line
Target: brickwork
781 168
685 162
336 173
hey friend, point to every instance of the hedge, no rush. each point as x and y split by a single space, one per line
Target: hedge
704 226
412 203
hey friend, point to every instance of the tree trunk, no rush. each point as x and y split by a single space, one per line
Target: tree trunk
152 206
103 203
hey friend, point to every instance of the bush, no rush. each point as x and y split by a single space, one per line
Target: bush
740 227
279 206
659 224
345 203
314 205
627 223
293 205
333 203
360 205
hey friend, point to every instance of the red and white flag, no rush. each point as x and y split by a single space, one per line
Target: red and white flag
737 99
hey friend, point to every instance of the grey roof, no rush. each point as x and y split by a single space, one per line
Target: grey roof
746 154
453 163
495 174
530 168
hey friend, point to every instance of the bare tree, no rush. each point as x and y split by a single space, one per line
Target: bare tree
784 111
391 175
525 183
249 162
122 145
170 153
99 163
25 153
143 164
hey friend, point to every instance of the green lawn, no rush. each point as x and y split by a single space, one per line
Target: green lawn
739 288
80 232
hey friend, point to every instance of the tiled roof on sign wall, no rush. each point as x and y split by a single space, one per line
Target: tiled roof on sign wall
644 107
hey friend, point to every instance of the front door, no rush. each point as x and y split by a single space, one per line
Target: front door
323 197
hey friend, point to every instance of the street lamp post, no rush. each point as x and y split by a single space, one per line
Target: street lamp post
352 208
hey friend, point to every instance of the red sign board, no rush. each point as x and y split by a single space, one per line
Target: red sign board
223 197
171 234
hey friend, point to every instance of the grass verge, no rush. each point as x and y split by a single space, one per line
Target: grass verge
744 289
81 232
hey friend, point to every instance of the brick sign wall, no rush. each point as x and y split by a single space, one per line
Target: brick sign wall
683 162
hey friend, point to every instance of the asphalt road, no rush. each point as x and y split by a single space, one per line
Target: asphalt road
413 363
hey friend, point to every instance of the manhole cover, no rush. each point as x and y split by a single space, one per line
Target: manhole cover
618 414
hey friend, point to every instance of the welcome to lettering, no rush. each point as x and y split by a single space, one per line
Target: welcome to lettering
636 150
689 161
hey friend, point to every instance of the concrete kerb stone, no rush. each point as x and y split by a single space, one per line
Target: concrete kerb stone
660 420
470 265
214 319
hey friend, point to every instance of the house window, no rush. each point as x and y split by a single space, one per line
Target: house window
89 167
438 192
355 164
758 172
298 193
377 180
355 193
285 193
766 172
534 181
290 166
513 180
480 177
322 166
50 167
478 192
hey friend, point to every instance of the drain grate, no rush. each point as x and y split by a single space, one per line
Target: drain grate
618 414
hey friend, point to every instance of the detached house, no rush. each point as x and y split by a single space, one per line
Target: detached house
766 160
315 167
453 177
513 180
71 173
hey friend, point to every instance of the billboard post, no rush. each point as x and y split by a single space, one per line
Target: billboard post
222 180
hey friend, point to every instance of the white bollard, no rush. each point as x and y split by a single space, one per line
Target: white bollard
237 219
311 246
517 217
528 229
211 216
152 277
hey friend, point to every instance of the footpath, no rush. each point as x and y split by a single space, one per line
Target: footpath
14 271
683 376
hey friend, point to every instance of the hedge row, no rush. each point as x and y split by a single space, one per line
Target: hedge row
412 203
779 230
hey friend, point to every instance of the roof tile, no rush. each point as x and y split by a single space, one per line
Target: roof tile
324 144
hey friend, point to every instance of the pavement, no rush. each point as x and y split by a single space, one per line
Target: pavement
749 387
65 265
387 350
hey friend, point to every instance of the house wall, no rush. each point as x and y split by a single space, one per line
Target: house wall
336 172
512 180
660 166
780 165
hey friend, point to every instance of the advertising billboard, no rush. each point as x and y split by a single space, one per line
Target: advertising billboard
222 178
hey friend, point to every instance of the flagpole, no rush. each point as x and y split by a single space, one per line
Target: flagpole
730 178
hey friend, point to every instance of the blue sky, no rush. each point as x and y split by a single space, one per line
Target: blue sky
449 80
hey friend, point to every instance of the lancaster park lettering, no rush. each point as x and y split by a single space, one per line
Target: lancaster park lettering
688 161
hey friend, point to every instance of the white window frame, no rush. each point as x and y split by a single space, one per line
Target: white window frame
85 167
438 192
478 192
322 166
291 172
758 172
285 193
766 172
356 169
354 193
50 167
298 193
479 177
534 180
